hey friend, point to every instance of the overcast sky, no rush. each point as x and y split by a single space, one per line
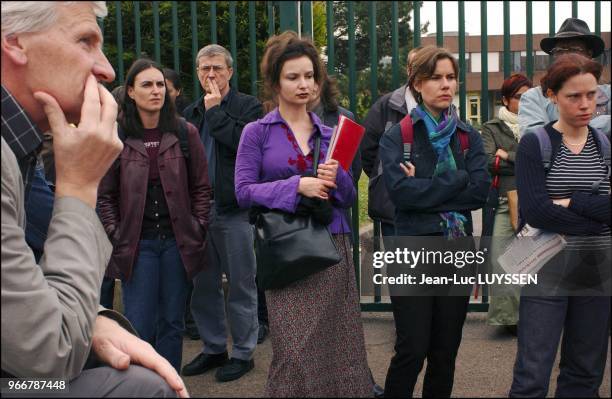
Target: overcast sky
495 26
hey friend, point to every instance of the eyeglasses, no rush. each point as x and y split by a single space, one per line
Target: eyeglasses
565 50
207 68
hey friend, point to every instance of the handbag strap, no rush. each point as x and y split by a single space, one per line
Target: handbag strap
315 156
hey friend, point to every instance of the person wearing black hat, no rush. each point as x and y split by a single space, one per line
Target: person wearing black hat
574 36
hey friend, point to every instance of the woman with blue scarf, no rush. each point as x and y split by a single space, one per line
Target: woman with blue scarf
435 182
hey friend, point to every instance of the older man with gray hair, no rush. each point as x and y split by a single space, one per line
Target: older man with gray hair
220 115
52 325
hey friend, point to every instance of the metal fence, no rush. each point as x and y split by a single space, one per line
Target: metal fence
298 16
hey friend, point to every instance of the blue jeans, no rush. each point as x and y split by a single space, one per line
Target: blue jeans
154 298
584 322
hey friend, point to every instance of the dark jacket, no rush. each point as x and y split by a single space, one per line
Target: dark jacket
122 196
496 134
587 214
419 200
225 123
386 112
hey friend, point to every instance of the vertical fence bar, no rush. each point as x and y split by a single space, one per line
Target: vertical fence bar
416 34
307 18
439 25
462 65
574 9
213 22
271 28
194 47
351 54
551 24
484 63
175 38
137 29
119 27
353 106
253 48
394 45
233 48
598 24
529 38
373 54
288 13
507 65
156 32
329 12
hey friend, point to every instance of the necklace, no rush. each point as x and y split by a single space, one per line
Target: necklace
574 144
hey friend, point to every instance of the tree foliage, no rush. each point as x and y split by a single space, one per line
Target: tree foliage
242 63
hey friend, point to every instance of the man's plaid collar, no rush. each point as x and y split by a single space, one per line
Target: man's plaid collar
18 131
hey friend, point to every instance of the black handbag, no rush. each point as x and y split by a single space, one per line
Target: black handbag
290 247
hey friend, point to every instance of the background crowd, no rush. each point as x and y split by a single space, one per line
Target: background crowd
167 204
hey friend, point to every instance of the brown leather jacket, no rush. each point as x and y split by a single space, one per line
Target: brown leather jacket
123 191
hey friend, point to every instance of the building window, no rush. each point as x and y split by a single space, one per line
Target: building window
515 61
473 110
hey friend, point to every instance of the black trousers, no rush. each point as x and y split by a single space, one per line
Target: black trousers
426 328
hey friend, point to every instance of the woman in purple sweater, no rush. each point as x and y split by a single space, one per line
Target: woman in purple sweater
571 198
317 336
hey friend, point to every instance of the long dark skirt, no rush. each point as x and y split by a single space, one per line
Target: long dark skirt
317 335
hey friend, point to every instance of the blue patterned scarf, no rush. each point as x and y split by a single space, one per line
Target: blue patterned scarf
440 134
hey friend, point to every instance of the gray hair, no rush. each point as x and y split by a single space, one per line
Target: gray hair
214 49
37 16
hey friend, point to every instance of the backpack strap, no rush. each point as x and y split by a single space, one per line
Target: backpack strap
464 140
604 150
545 147
407 136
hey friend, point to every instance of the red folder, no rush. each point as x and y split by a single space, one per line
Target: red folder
345 142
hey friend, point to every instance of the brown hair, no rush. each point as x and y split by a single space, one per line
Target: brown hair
283 47
513 83
566 66
424 66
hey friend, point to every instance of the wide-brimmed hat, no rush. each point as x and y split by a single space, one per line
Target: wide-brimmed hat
574 28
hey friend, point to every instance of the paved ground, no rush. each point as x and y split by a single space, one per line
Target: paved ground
484 363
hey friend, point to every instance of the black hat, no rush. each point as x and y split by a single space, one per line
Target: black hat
574 28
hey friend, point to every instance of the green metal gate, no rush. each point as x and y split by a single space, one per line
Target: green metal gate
171 17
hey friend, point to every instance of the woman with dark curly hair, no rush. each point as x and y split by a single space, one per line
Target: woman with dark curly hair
316 332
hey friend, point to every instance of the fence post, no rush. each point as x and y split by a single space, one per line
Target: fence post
484 64
157 50
307 18
175 39
439 25
119 41
271 28
253 48
194 48
288 16
232 37
507 65
394 45
329 12
213 22
416 35
462 66
551 24
373 53
529 41
137 29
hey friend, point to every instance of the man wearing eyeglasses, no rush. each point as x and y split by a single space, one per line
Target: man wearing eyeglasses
573 36
221 114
